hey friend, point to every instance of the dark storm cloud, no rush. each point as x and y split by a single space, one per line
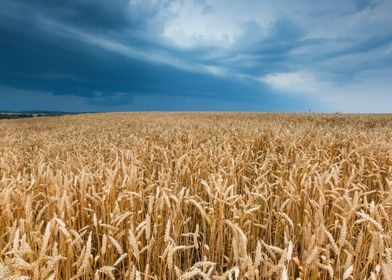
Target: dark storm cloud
93 14
84 70
110 80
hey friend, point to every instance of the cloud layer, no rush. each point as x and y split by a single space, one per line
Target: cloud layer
196 55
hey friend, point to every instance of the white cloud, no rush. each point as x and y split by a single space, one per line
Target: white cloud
192 27
367 95
215 70
303 82
189 26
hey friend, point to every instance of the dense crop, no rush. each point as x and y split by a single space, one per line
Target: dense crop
196 196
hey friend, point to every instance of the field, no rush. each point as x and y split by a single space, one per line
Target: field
196 196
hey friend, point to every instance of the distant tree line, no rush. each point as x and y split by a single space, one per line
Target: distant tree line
30 115
15 116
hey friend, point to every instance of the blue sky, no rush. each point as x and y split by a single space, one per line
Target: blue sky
203 55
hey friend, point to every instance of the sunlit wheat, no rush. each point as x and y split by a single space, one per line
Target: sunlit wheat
196 196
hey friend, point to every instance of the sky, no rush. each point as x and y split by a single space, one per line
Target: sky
196 55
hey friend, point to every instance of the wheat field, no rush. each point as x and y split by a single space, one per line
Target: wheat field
196 196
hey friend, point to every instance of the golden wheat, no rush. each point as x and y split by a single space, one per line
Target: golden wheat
196 196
